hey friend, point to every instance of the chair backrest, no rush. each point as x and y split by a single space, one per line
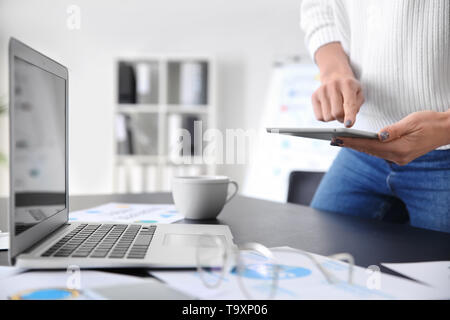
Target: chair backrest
302 186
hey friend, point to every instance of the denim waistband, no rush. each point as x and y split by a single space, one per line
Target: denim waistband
436 159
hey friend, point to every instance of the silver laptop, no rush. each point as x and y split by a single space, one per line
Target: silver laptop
40 234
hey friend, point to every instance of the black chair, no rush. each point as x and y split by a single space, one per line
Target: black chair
302 186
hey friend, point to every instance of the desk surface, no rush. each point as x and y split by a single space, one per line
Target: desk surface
275 224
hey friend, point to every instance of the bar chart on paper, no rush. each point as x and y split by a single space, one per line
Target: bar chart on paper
128 213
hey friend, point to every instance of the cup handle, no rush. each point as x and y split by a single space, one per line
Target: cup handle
236 186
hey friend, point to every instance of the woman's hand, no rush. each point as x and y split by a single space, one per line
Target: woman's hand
340 96
406 140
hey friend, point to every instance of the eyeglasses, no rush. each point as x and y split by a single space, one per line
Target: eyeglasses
255 266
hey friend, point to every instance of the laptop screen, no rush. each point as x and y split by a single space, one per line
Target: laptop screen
39 156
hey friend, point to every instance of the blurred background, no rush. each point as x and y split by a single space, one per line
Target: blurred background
139 70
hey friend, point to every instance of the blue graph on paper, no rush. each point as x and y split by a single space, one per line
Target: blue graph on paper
47 294
266 271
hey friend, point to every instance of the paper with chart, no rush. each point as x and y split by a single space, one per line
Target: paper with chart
433 273
300 279
72 284
128 213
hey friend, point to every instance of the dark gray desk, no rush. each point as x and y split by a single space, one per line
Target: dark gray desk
274 224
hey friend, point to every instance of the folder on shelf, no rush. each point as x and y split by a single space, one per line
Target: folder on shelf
174 125
144 129
124 135
195 143
192 83
146 83
183 139
127 83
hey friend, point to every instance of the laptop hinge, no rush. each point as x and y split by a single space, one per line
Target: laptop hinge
37 244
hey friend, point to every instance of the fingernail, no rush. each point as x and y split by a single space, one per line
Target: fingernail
348 123
384 135
336 143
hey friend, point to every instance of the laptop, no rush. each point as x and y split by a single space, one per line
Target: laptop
41 235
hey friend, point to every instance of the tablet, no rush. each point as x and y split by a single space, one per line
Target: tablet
324 133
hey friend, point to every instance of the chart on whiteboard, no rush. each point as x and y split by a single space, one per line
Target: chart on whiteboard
288 104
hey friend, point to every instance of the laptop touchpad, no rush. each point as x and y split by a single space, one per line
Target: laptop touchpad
189 240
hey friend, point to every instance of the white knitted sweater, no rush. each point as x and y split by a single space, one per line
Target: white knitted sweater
398 49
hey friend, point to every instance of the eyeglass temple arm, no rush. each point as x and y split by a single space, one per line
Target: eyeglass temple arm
349 259
328 276
268 254
325 272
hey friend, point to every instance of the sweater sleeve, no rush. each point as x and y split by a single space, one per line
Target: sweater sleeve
317 21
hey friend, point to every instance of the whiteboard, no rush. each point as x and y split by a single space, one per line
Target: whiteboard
273 157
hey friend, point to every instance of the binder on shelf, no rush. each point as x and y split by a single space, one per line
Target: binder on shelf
144 129
124 135
184 140
146 82
121 134
192 83
174 126
194 146
127 83
194 124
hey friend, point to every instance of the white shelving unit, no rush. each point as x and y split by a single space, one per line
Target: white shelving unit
149 172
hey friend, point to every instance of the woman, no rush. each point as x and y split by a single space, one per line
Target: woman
385 67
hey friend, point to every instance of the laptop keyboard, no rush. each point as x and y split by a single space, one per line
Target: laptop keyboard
104 241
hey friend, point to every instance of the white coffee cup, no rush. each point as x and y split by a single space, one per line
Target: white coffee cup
201 197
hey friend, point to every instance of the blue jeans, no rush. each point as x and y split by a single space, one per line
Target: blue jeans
362 185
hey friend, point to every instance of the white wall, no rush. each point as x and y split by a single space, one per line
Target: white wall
245 36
